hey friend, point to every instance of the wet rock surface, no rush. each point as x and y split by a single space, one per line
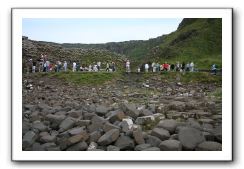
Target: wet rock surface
120 116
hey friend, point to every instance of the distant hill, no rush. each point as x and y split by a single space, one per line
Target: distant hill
196 39
56 52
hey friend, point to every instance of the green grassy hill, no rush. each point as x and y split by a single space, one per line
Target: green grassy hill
198 40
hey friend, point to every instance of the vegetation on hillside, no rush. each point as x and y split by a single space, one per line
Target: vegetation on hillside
196 39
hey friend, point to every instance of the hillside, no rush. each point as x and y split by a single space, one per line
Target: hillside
196 39
34 49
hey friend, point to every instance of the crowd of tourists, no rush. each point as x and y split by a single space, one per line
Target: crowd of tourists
44 65
157 67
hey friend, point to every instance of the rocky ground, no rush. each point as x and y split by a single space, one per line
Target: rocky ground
124 115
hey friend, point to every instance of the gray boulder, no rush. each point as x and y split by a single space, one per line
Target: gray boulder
116 115
81 146
28 139
96 123
138 136
170 145
194 124
145 120
37 147
153 141
39 126
75 131
82 123
161 133
48 146
190 138
94 136
113 148
209 146
55 119
125 143
48 138
66 124
109 137
146 112
108 126
169 125
102 110
77 138
141 147
177 105
130 110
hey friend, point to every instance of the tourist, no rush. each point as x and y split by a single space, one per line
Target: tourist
33 66
157 67
107 67
95 69
113 66
138 70
165 66
47 66
183 66
188 67
191 67
177 67
74 67
81 68
29 66
127 65
146 67
90 68
58 66
172 67
77 67
65 66
214 69
98 65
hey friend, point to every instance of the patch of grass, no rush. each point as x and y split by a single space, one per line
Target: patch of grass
217 93
86 78
186 77
101 78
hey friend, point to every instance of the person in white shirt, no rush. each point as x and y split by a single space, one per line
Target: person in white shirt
191 66
65 66
74 66
127 65
146 67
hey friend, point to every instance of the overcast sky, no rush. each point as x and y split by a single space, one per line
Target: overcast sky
96 30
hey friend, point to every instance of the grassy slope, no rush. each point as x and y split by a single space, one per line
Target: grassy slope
199 41
101 78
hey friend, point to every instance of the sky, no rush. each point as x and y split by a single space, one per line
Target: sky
92 30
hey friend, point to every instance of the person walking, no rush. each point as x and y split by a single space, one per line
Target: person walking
146 67
98 65
65 66
127 65
107 67
74 67
34 67
191 67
